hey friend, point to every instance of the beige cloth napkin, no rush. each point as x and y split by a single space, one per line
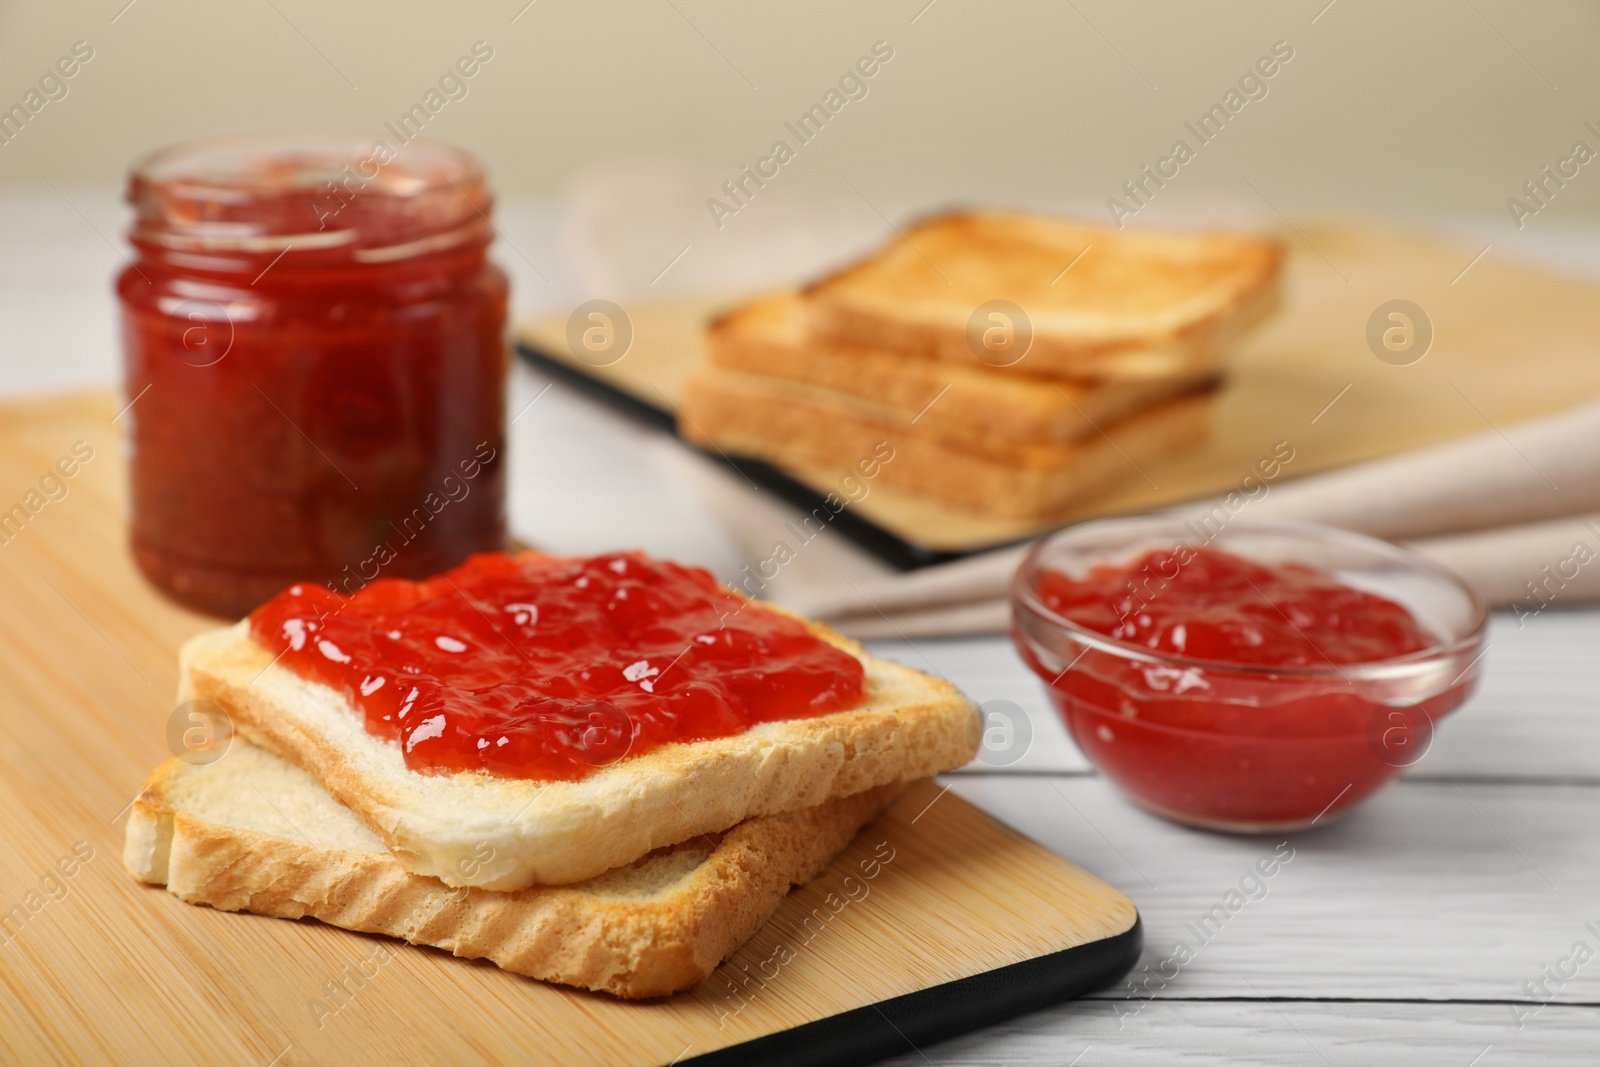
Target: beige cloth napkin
1515 511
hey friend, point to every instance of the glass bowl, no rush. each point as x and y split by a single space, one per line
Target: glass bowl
1245 747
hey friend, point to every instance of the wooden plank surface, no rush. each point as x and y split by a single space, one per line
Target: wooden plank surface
1408 897
1503 332
1275 1033
98 968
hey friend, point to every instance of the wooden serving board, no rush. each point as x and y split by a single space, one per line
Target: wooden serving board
963 922
1511 341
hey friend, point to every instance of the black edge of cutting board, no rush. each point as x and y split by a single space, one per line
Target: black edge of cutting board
907 1023
887 546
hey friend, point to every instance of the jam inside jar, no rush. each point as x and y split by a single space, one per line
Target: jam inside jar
314 340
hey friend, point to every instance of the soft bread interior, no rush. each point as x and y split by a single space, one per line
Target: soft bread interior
250 790
253 832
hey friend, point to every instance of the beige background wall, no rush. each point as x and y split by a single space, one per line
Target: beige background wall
1425 108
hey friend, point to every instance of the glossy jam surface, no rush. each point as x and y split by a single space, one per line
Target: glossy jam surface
1217 606
315 371
1249 748
530 666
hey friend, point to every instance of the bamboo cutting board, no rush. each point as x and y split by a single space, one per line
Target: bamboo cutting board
965 924
1510 341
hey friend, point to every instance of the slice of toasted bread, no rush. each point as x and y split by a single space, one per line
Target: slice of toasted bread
1102 302
252 832
971 402
807 429
477 829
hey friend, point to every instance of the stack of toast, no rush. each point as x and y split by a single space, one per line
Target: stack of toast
1016 365
637 879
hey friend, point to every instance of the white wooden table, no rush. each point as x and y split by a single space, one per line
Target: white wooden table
1426 928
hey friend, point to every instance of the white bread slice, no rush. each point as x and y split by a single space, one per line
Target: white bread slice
252 832
964 402
1139 303
476 829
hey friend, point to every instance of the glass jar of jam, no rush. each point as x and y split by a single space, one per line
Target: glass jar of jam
315 358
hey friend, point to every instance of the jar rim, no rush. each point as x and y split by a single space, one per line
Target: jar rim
266 193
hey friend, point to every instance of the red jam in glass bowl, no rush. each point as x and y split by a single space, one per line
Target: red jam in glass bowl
315 358
530 666
1263 677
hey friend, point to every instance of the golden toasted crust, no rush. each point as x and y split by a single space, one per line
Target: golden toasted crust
550 833
1138 304
654 927
964 401
803 428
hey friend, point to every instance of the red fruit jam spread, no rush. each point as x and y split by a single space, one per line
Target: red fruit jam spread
1220 607
529 666
1240 749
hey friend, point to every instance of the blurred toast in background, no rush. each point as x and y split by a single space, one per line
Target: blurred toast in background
767 337
1103 303
1011 366
803 428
